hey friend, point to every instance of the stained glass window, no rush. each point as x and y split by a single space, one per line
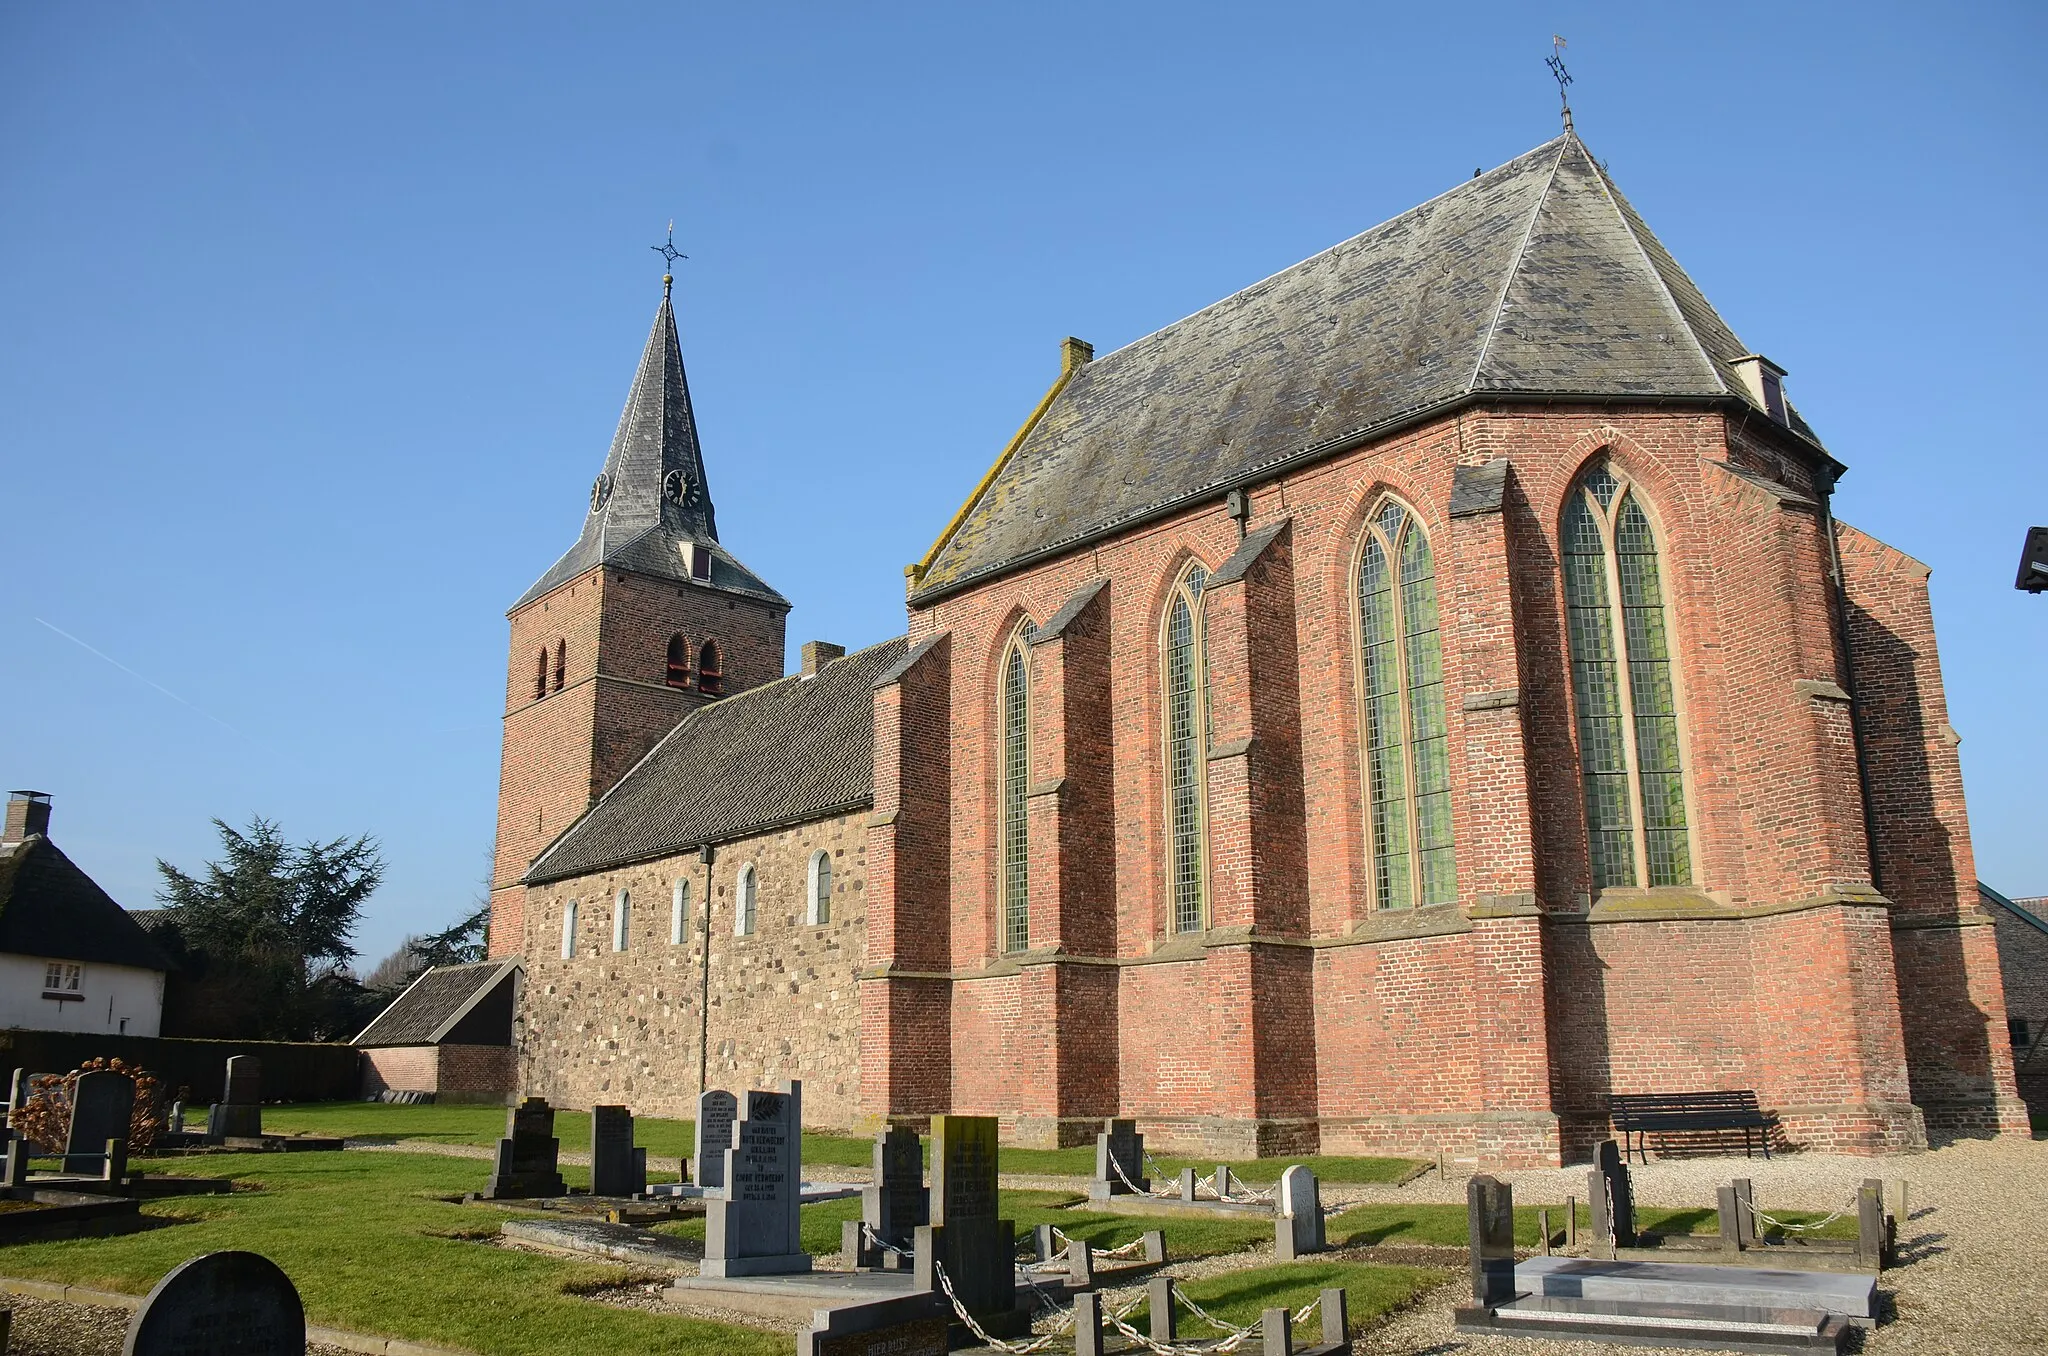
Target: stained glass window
1188 729
1629 756
1405 736
1016 780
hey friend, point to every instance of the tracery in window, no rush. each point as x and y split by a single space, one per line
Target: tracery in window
1622 685
1188 727
1405 740
1016 778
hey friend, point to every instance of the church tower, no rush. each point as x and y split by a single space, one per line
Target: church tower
646 618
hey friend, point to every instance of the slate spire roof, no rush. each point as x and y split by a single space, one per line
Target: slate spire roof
652 495
1534 279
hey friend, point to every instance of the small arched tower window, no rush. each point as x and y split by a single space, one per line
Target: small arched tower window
1403 735
710 673
1624 689
745 896
1185 667
678 661
561 662
678 911
569 930
540 674
819 908
622 913
1015 717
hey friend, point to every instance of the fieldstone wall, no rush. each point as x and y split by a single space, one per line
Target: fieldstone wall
641 1027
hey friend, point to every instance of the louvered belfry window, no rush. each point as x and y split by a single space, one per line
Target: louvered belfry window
1406 741
1187 746
1016 780
1622 683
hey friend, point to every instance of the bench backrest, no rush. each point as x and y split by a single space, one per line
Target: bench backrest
1651 1103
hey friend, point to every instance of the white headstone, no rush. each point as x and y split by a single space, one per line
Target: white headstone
1300 1226
716 1111
754 1229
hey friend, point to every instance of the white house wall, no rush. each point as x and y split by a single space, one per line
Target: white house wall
109 995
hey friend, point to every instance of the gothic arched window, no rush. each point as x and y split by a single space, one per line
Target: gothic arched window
569 930
561 662
1404 738
1186 671
678 661
622 932
678 911
710 673
1016 768
540 674
1622 684
818 905
746 896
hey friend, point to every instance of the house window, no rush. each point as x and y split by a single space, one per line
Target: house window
710 673
1623 686
820 907
1403 735
61 978
622 912
678 661
1016 727
678 911
746 897
561 662
1187 746
569 930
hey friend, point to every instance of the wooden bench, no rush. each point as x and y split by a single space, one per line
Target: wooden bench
1640 1115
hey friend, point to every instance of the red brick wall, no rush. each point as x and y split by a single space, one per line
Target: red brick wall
401 1068
2023 972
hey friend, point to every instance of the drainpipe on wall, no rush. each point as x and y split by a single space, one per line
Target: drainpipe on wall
705 855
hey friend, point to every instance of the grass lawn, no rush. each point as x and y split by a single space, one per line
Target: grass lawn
1241 1296
372 1249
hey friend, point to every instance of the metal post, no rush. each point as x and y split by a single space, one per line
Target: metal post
1571 1221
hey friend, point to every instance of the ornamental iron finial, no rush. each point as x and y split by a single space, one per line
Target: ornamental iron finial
669 253
1556 63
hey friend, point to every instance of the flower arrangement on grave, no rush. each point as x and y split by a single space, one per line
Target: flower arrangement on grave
46 1116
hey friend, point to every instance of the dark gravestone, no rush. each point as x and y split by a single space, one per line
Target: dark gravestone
1613 1201
753 1230
101 1105
221 1304
616 1167
917 1337
1490 1212
239 1113
977 1250
1119 1161
898 1204
716 1111
1299 1228
529 1156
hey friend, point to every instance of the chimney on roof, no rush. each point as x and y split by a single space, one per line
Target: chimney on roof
1765 381
819 653
1075 354
28 814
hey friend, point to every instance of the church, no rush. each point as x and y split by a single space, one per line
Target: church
1392 710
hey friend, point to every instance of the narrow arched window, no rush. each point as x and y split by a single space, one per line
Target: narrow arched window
622 930
678 911
710 673
1404 738
678 661
818 907
561 662
1016 727
569 930
745 897
1622 683
1186 665
540 674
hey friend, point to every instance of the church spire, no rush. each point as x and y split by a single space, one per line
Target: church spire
654 474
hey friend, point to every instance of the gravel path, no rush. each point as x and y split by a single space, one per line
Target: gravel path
50 1328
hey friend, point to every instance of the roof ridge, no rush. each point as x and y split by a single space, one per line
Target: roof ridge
1507 281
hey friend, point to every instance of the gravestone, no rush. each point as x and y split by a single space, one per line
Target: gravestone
239 1113
616 1167
912 1337
1299 1228
101 1105
753 1229
716 1111
1612 1197
220 1304
528 1163
899 1202
1490 1213
1119 1162
977 1250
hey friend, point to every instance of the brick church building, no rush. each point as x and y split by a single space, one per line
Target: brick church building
1392 709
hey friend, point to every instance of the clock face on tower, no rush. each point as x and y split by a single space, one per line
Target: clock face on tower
600 491
679 488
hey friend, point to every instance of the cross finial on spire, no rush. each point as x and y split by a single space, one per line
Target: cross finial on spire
669 253
1556 63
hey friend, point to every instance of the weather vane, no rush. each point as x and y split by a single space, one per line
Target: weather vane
1564 77
669 253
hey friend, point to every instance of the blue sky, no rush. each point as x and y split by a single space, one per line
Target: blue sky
318 321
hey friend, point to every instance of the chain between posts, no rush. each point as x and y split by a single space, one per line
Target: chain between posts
1760 1217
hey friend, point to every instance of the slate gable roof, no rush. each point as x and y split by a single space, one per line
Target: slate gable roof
790 751
49 907
434 1003
1537 278
652 495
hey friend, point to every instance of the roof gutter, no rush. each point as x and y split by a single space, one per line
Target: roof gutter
536 877
1315 452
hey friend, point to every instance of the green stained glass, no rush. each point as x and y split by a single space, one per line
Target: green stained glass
1660 777
1386 788
1429 739
1596 686
1183 767
1016 822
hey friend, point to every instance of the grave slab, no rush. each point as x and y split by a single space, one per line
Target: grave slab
1713 1327
1853 1295
595 1237
800 1295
